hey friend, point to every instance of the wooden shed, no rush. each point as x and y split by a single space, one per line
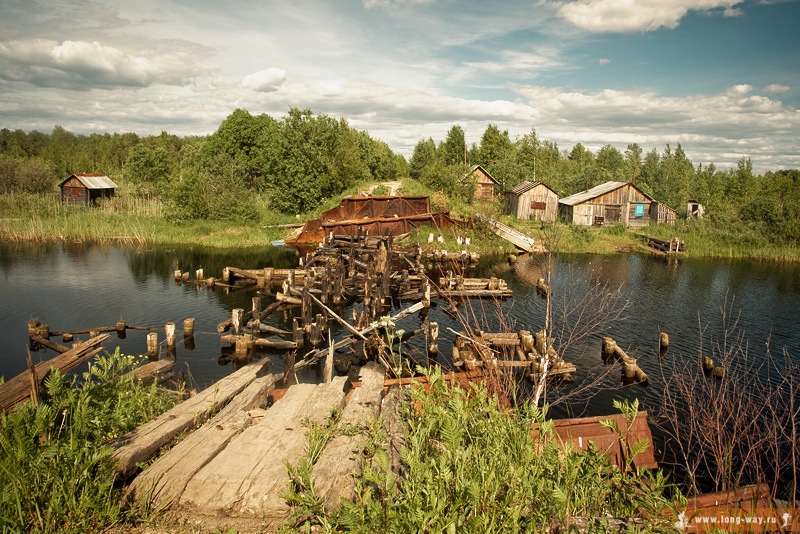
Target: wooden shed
608 203
533 200
484 182
662 214
84 189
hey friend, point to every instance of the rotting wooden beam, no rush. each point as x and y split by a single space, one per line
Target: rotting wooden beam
18 388
144 442
163 482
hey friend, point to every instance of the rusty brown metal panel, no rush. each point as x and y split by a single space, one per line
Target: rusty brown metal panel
580 432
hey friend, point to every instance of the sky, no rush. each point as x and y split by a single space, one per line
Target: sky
719 77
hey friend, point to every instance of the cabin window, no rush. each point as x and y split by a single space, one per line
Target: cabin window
639 210
538 205
74 191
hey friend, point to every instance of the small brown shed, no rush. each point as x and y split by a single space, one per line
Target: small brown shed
84 189
533 200
484 182
609 203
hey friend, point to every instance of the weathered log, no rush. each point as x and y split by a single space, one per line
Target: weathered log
145 441
163 482
154 371
249 476
18 388
49 344
334 471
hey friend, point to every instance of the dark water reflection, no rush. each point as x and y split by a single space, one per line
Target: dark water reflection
81 286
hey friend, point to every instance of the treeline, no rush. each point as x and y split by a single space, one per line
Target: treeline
291 165
768 204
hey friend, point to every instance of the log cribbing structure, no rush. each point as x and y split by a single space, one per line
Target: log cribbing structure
510 351
342 271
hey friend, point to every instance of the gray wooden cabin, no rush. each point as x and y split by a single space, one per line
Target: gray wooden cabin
85 189
533 201
612 203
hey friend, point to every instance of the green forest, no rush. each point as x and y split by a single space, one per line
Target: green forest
295 165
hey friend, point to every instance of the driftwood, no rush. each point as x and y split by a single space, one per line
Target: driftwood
145 441
164 481
19 388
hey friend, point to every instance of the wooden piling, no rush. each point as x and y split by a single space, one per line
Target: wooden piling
198 275
433 340
663 343
237 316
121 329
152 345
188 327
169 330
328 375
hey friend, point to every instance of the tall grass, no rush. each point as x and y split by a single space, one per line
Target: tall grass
472 466
56 473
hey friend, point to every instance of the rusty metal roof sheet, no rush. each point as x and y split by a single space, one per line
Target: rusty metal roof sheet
580 432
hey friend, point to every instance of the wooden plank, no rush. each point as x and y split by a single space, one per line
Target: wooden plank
249 475
163 482
144 442
18 388
334 473
516 238
156 371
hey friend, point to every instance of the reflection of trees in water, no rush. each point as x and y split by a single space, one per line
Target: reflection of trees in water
161 263
14 254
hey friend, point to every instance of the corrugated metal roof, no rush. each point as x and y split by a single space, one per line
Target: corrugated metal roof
95 181
594 192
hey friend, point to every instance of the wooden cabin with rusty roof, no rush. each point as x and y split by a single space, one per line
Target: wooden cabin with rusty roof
86 189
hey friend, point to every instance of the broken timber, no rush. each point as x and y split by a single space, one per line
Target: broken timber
510 350
516 238
144 442
19 388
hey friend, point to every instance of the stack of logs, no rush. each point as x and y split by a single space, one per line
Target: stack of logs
510 350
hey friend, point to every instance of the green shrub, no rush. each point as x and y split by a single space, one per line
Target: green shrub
56 473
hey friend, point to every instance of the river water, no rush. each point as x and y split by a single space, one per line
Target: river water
71 286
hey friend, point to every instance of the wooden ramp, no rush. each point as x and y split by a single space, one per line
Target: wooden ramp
234 466
517 238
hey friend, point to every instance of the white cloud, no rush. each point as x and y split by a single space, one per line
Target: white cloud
777 89
637 15
83 65
604 61
267 80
